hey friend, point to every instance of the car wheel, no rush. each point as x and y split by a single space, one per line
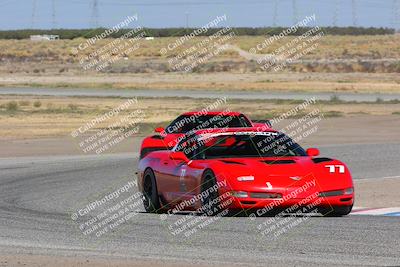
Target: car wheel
210 203
336 211
150 194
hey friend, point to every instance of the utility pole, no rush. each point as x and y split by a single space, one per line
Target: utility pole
275 16
53 15
33 18
187 20
335 13
295 12
396 14
354 12
95 14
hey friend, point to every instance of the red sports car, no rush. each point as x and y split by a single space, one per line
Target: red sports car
192 121
240 169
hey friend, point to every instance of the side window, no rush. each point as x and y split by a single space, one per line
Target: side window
200 151
187 146
244 121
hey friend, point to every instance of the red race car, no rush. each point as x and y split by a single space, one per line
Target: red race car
240 169
192 121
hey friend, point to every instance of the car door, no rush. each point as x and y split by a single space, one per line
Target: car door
184 177
167 172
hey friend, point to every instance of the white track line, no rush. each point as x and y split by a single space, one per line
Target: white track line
380 178
393 211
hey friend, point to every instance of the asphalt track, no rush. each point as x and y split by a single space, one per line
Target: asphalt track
38 196
243 95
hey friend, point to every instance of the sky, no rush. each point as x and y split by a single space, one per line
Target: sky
78 14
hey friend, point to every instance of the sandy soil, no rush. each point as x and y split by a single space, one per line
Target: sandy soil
59 116
313 82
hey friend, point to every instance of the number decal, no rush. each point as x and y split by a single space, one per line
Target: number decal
182 185
332 168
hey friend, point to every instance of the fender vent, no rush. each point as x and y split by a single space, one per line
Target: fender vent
279 161
232 162
147 150
319 160
157 137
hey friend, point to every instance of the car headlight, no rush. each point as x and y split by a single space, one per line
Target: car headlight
245 178
349 191
241 194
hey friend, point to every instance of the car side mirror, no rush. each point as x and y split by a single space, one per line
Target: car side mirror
159 130
312 152
178 155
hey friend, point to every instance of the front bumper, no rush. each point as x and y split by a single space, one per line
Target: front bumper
311 201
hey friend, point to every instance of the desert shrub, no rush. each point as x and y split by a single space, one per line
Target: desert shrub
37 104
72 106
12 106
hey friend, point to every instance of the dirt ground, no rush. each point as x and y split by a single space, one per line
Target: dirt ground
260 81
27 117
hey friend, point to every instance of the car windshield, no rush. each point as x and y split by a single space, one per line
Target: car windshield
187 123
267 144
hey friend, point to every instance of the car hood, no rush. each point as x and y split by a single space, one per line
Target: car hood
282 174
157 140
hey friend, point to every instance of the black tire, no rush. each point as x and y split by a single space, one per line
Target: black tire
151 202
335 211
209 204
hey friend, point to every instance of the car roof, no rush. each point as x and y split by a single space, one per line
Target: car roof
234 130
226 113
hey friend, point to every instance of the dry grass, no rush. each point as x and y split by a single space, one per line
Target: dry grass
59 116
53 64
331 46
306 82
